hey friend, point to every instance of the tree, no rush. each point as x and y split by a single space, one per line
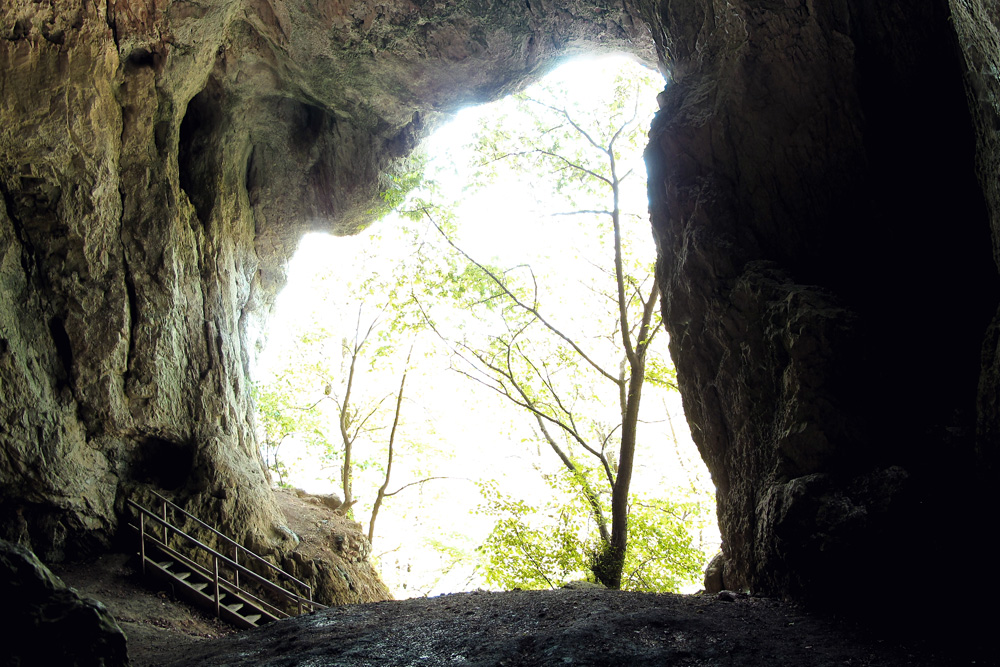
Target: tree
287 409
529 359
547 545
328 391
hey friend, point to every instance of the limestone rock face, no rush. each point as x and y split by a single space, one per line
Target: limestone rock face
828 277
159 161
46 623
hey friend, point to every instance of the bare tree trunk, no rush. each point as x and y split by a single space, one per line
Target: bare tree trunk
612 561
346 472
609 564
380 496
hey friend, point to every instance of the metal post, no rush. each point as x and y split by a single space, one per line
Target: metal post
215 559
236 559
142 541
164 522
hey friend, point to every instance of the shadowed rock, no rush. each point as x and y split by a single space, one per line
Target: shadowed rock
46 623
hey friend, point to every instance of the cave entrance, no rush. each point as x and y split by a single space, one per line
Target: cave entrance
473 339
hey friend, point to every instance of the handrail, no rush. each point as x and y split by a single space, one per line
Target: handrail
235 544
226 560
235 566
217 555
223 583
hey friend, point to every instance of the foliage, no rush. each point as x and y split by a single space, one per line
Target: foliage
665 551
576 370
332 388
534 547
546 546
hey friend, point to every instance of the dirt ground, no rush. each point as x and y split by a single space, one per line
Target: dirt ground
154 621
565 627
585 627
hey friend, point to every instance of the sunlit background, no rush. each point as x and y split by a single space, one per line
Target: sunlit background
453 430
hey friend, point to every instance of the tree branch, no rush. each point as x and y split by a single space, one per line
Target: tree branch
520 304
419 481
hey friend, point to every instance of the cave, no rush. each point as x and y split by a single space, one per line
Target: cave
824 185
163 464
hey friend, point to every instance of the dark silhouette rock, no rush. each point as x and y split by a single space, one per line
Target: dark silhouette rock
828 280
46 623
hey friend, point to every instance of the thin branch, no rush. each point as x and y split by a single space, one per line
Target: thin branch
310 407
419 481
361 424
530 558
380 496
604 443
555 156
580 212
645 335
521 304
565 114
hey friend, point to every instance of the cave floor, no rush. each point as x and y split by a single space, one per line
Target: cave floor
565 627
154 621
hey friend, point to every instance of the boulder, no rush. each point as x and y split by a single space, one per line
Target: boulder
47 623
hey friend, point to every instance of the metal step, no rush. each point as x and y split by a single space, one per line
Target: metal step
195 582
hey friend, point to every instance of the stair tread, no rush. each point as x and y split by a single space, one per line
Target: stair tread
200 588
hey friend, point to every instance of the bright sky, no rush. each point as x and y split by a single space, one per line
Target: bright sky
478 437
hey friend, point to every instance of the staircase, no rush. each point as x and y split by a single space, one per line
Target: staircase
171 555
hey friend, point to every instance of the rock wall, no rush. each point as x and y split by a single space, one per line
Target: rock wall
159 160
828 279
977 24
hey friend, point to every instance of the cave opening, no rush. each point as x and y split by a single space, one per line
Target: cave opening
198 156
483 458
164 463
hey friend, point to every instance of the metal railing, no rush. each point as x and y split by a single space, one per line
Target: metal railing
221 563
